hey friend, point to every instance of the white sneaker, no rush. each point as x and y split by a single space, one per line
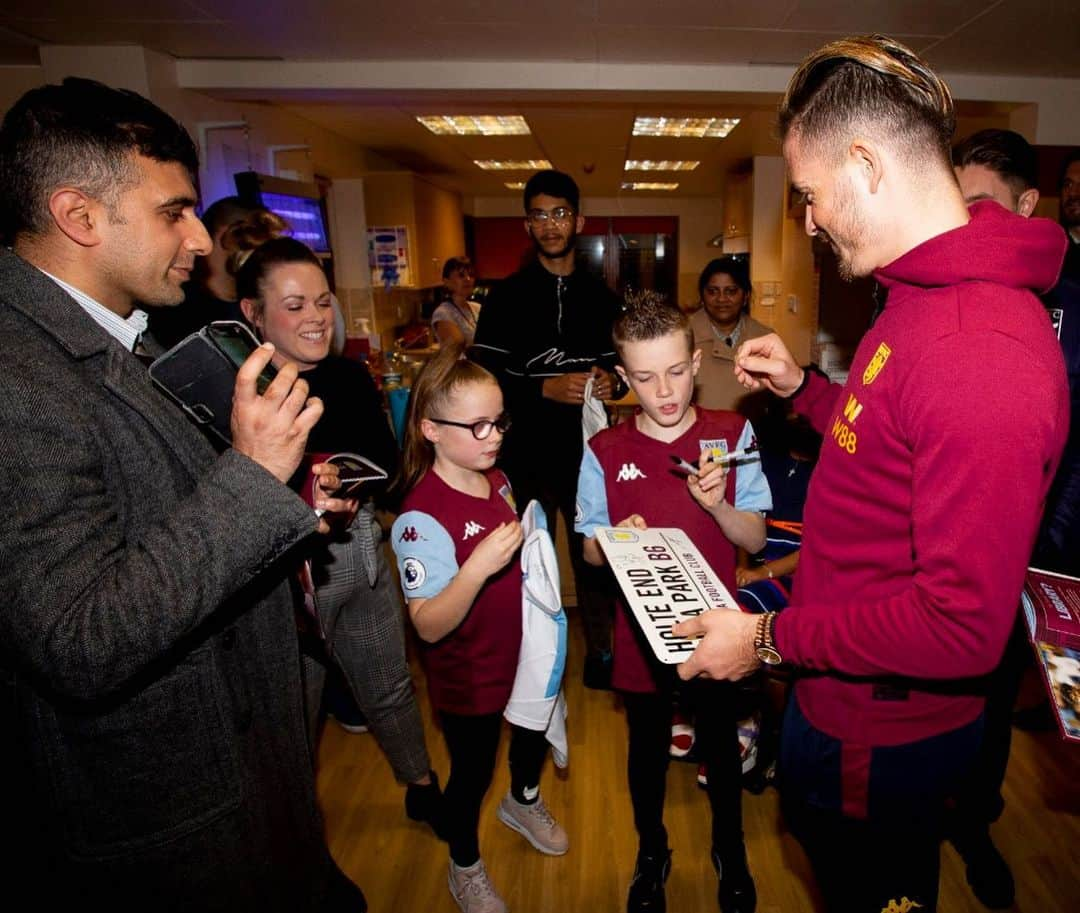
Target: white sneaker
535 823
472 889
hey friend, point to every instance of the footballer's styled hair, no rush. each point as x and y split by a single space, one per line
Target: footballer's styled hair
872 83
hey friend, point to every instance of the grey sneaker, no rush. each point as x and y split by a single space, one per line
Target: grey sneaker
534 823
473 890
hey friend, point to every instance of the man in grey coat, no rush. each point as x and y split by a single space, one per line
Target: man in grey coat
155 752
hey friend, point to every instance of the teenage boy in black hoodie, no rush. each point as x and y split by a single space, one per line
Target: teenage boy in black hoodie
542 332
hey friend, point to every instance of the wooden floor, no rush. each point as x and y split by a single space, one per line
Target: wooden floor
401 866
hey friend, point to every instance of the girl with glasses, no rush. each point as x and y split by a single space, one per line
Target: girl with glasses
457 541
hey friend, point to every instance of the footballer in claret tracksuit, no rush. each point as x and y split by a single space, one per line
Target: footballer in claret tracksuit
896 729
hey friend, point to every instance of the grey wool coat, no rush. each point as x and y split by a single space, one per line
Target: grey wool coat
155 754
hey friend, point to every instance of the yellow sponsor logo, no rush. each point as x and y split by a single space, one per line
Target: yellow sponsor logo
904 906
876 364
844 435
852 408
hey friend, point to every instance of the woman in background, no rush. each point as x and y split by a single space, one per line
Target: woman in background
719 326
455 319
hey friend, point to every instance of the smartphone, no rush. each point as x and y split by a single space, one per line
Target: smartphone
236 342
199 373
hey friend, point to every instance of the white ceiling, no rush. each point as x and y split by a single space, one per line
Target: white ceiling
1017 37
587 133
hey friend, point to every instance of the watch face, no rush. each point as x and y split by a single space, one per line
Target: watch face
768 655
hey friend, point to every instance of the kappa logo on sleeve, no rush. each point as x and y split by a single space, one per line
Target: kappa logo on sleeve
629 473
413 573
410 534
472 529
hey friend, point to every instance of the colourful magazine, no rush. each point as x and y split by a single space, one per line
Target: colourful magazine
1052 607
1051 604
1061 671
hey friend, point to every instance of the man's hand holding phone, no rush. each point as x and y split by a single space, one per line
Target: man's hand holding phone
272 429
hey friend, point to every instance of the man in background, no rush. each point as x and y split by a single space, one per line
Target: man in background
155 753
543 332
1001 165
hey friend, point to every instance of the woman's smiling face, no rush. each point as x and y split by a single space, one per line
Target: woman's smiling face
297 316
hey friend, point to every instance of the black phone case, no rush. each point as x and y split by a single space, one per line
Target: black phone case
201 379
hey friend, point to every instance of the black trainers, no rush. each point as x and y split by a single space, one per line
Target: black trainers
647 886
988 873
425 803
736 892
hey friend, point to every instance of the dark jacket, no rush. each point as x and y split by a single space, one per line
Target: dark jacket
535 325
1058 545
154 732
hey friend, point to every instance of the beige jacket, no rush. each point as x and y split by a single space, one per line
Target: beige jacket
716 386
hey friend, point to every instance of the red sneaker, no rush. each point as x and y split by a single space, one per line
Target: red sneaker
682 737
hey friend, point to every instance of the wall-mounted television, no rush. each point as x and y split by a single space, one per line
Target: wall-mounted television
297 203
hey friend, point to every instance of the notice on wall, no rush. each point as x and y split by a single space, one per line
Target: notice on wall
388 256
665 580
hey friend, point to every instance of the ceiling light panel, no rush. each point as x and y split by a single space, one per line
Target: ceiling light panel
718 127
512 164
648 185
475 124
514 185
664 165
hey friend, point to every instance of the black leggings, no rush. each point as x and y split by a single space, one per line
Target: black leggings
473 742
648 717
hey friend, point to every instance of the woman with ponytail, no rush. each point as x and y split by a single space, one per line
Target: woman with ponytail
285 296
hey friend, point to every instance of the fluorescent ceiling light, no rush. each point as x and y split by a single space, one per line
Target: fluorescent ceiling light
648 185
514 185
665 165
513 164
685 126
475 124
